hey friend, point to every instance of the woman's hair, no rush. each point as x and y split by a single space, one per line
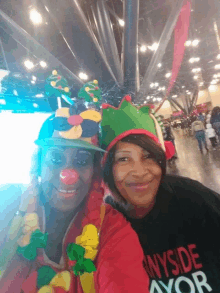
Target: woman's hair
215 111
143 141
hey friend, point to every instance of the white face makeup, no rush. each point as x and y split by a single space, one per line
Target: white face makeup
136 174
62 196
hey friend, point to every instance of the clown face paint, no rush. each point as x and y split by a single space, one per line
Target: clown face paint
66 176
136 175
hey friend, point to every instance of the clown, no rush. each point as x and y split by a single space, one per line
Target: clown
63 238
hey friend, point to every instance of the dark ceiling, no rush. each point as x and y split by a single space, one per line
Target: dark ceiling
58 36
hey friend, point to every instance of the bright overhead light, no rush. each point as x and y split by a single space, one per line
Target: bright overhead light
159 65
215 76
168 75
15 92
153 47
2 102
35 105
156 84
193 60
196 70
188 43
154 99
213 88
201 83
39 96
218 57
83 76
188 93
148 97
34 78
121 22
217 66
35 17
159 99
174 96
215 81
143 48
43 64
196 77
183 86
28 64
145 102
195 42
46 8
33 82
152 85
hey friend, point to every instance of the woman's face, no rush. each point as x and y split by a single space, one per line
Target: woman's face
57 161
136 175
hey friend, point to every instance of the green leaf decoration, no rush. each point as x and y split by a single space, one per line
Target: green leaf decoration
38 240
77 252
44 275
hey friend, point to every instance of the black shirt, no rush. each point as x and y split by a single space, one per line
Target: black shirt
180 238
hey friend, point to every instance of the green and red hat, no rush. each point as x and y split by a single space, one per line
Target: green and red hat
128 119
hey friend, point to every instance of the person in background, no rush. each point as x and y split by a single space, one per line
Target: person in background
176 218
215 121
198 130
168 136
201 117
210 133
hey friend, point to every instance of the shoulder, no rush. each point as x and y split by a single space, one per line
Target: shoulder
192 192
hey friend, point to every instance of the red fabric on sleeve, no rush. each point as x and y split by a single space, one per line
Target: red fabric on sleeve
120 259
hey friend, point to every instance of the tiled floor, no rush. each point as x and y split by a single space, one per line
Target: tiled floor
191 163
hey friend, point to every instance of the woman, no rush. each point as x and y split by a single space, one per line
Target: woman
215 120
64 239
176 218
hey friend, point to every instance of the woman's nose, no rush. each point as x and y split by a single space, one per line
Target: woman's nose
69 176
139 168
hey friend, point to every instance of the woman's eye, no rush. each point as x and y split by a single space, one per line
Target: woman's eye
122 159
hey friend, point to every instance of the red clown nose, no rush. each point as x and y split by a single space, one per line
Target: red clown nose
69 176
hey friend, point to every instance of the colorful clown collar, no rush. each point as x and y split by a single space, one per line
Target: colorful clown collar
128 119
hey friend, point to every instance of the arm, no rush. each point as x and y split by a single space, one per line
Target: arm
120 260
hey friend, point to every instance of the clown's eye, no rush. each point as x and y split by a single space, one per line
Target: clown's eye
84 158
56 158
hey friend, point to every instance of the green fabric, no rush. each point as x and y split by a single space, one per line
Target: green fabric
127 117
44 276
75 143
38 240
94 89
77 252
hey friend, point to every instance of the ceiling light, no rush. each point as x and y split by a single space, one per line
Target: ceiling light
3 73
159 65
183 86
35 17
34 78
168 75
201 83
217 66
39 96
195 42
43 64
196 77
192 60
35 105
153 47
33 82
15 92
83 76
148 97
145 102
213 88
152 85
154 99
143 48
156 84
159 99
121 22
214 81
196 70
174 96
2 102
218 57
188 43
28 64
46 8
188 93
215 75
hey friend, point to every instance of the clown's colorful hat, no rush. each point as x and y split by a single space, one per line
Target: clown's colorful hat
127 119
76 126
